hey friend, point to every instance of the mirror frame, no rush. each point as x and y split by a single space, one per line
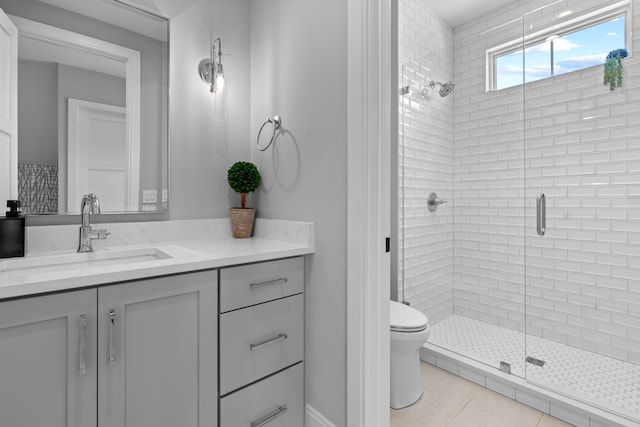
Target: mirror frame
132 62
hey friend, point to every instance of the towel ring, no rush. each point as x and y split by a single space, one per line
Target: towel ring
276 121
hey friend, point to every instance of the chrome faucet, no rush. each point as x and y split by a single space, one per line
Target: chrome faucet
90 205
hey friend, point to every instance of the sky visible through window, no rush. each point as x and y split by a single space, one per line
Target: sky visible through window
574 51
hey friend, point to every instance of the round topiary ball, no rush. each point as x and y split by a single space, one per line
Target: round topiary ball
243 177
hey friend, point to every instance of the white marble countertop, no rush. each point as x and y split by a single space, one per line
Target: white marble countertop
201 250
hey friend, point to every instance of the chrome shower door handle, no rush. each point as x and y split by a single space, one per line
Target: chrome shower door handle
541 214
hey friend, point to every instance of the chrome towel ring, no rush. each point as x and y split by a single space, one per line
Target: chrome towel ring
276 121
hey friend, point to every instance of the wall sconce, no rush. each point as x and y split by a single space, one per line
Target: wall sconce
210 69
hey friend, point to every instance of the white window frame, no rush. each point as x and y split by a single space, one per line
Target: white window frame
599 16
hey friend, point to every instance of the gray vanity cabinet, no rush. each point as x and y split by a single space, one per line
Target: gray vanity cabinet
134 354
47 361
261 344
157 355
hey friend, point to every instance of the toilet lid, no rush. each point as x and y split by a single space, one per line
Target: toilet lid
406 319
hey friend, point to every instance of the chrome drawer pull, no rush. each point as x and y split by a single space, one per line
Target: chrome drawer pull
82 344
112 338
280 337
280 281
270 417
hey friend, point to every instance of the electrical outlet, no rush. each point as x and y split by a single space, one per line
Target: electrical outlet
149 196
165 195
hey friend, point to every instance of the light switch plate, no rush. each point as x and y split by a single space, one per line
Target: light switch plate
149 196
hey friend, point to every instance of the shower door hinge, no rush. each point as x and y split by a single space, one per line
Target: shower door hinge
387 244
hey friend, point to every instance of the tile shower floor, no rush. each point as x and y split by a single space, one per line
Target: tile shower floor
599 380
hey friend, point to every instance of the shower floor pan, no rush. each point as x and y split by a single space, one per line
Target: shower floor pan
577 386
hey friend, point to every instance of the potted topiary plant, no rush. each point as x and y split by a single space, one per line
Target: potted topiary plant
243 178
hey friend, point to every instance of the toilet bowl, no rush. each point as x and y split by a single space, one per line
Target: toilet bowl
409 330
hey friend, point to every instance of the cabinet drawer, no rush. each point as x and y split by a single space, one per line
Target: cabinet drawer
260 340
275 401
246 285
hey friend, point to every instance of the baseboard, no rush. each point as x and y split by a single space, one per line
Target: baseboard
316 419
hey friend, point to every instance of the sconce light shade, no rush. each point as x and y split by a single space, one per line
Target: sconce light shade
210 69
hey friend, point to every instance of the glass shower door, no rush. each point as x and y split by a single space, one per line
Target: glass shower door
582 222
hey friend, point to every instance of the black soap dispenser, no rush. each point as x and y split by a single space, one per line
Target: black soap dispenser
12 231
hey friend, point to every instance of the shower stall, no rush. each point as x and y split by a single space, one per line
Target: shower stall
531 268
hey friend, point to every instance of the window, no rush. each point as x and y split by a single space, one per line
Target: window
573 45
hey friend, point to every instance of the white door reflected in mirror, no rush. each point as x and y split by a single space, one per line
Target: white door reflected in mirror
101 158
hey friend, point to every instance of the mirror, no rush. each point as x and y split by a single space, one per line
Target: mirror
92 105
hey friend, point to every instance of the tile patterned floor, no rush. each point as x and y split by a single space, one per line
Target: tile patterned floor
451 401
599 380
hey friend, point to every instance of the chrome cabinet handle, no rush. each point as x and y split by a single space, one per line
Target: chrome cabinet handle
280 337
270 417
112 337
83 344
279 281
433 202
541 214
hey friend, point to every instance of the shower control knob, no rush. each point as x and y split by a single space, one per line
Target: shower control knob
433 202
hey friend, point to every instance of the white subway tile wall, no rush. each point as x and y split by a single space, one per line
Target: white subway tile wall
574 140
426 162
569 137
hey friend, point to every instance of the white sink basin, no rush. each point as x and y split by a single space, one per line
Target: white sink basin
79 261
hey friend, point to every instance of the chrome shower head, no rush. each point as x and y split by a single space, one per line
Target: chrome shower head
445 88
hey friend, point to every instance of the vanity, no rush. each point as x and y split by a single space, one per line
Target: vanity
165 323
188 328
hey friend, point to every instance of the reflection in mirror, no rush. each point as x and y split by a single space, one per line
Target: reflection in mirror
92 105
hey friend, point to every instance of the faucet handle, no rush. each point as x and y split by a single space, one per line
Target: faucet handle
98 234
434 201
102 233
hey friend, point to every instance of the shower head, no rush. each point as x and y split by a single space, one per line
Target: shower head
445 88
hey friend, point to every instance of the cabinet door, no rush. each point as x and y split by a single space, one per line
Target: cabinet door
47 361
157 352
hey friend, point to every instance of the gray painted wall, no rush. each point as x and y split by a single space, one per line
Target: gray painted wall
38 112
202 149
299 71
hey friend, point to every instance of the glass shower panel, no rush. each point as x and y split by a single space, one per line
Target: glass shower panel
463 263
582 222
425 270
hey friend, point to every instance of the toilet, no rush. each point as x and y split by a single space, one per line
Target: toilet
409 330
